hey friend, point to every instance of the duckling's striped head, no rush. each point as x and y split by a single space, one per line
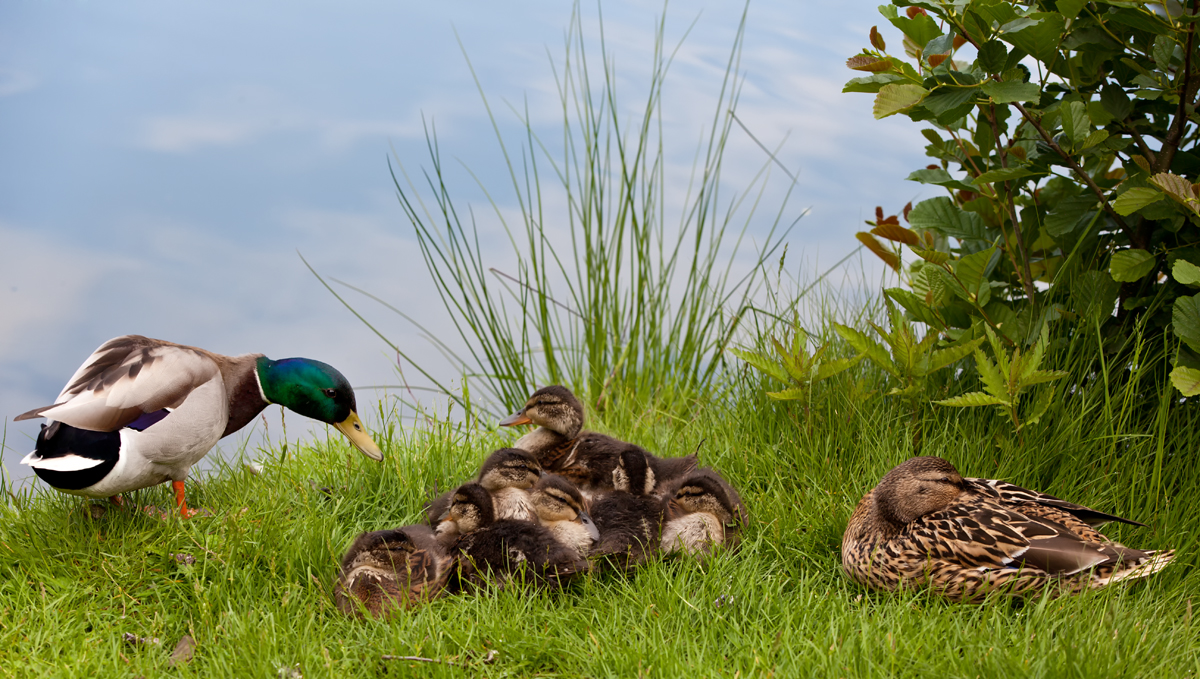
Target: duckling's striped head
317 390
509 468
559 504
471 508
702 491
554 408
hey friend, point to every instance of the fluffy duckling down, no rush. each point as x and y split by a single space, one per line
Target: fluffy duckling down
543 511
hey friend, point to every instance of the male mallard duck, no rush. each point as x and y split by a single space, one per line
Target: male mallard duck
488 550
142 411
507 474
702 512
389 569
925 525
629 518
585 458
559 506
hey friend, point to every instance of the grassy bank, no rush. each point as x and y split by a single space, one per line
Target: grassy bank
257 597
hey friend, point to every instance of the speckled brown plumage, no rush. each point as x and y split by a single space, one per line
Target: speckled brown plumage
924 525
389 570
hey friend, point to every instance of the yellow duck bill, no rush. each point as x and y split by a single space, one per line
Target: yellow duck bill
353 428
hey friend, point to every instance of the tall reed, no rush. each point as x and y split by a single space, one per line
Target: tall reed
622 291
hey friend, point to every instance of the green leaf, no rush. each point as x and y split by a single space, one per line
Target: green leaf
1185 272
895 98
944 357
1093 295
1067 214
1004 174
792 394
1009 91
871 83
920 29
993 381
762 363
1038 34
1075 121
945 99
939 177
1135 199
975 398
943 216
1115 101
973 269
914 305
1185 320
1040 407
1070 8
1040 376
1164 47
939 45
934 256
868 347
1178 188
1127 266
992 55
1186 380
828 369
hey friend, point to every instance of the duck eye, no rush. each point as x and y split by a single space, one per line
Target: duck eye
329 392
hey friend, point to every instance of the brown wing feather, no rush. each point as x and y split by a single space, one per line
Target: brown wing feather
127 377
986 535
1023 497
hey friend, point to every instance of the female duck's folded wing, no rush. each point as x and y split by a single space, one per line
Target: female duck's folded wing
1016 495
987 536
126 378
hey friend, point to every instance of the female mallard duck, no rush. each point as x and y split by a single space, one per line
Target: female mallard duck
629 518
559 506
702 512
925 525
585 458
507 474
142 411
387 570
488 550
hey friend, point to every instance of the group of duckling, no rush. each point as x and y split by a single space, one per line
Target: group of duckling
560 503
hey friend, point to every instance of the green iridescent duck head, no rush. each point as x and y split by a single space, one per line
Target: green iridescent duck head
317 390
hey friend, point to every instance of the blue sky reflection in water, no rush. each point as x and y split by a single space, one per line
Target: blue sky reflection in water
163 163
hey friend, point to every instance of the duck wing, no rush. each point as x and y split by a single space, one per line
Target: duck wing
126 378
984 534
1015 495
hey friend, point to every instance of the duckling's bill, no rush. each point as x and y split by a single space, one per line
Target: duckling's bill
517 418
354 430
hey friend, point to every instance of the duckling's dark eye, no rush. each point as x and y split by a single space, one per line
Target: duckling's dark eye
329 392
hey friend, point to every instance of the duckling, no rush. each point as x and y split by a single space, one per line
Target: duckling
560 507
925 525
630 517
701 514
585 458
387 570
507 474
142 411
501 551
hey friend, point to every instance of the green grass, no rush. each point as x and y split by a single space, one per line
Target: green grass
258 595
651 310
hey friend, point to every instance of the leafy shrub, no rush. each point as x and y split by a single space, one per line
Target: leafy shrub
1061 134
